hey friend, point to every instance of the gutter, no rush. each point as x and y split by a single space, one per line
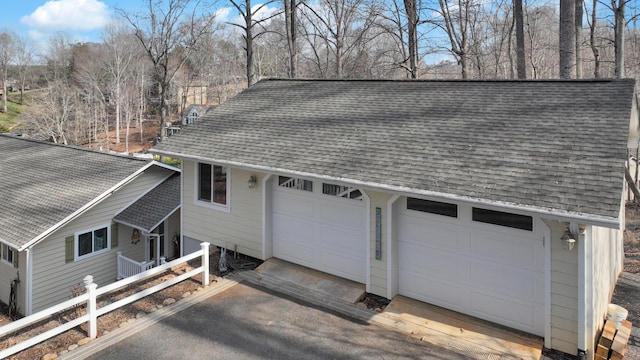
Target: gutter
568 216
87 206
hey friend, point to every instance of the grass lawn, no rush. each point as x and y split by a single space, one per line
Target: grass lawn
8 120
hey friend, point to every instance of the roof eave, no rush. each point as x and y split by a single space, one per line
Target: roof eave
556 214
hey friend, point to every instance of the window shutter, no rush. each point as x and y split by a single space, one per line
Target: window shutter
114 235
69 245
16 256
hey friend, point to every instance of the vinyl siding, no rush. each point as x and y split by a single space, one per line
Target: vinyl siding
564 292
607 250
241 226
53 278
378 269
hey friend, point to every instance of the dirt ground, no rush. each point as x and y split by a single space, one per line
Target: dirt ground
626 296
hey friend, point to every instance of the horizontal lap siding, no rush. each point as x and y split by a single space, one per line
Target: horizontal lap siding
242 227
53 278
564 292
378 275
607 249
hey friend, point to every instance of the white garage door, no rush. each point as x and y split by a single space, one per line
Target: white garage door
322 231
488 271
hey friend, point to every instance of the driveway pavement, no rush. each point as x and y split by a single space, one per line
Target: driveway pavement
250 322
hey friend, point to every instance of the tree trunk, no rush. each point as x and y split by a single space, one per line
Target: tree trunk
412 32
519 19
567 39
578 32
592 40
290 23
618 42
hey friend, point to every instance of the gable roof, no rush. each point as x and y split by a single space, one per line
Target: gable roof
544 146
154 207
44 185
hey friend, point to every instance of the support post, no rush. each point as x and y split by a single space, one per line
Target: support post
119 263
205 263
91 306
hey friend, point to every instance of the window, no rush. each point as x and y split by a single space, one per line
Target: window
192 117
92 241
515 221
295 183
432 207
341 191
212 184
8 253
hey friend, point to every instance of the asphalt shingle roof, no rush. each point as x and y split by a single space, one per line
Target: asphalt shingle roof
154 207
44 183
557 146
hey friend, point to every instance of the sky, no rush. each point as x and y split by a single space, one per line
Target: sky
79 20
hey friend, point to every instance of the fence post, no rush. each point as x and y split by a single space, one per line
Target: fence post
91 306
205 263
119 262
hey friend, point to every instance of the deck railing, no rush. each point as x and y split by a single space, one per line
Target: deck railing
89 298
129 267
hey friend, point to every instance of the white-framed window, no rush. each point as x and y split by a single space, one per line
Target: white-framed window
92 241
8 254
213 185
192 117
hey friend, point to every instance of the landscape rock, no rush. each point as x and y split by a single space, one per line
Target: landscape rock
140 314
168 301
49 356
85 341
187 294
72 347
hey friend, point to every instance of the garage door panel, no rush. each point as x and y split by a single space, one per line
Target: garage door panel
320 232
440 293
343 240
438 236
504 279
343 214
465 266
514 250
433 262
290 201
506 311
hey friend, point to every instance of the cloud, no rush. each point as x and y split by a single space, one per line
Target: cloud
263 12
69 15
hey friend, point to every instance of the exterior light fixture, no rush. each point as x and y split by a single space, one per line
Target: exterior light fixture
568 241
252 181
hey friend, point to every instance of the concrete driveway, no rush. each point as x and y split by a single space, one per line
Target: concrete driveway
250 322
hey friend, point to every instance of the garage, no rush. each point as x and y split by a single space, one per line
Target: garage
481 262
321 226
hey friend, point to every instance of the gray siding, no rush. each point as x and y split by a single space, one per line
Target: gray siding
53 279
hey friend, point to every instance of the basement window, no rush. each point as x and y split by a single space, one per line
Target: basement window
341 191
501 218
295 183
432 207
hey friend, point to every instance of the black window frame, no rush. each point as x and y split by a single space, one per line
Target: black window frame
433 207
502 218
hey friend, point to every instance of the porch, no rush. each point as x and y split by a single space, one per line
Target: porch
129 267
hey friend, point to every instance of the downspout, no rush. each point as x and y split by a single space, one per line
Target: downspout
28 302
586 337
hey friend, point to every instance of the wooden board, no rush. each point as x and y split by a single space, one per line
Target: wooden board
619 346
608 333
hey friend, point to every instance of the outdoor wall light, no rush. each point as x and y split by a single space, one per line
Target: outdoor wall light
252 181
568 241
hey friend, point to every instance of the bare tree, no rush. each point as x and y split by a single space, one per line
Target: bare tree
290 10
411 9
7 53
578 33
169 31
567 39
24 60
342 28
521 61
250 23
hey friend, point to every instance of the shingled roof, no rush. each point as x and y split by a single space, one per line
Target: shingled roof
546 146
42 184
154 207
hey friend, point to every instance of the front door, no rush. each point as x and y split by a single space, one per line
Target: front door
156 238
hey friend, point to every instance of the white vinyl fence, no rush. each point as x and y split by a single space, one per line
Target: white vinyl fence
89 298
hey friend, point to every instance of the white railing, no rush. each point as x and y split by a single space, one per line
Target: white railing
89 298
129 267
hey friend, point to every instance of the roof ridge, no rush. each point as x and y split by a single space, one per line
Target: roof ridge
598 80
71 147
